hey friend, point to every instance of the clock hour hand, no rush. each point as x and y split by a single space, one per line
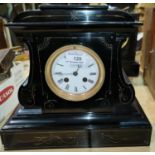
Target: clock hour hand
76 72
78 68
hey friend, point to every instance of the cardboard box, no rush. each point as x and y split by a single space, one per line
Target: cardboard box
9 90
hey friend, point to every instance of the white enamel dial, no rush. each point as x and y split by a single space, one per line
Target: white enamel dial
74 72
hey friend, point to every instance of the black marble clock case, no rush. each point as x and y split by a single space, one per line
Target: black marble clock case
112 117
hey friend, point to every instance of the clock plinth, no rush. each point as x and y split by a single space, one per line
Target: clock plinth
31 129
88 103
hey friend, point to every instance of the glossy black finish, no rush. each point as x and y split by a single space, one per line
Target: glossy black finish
72 7
95 27
129 64
31 129
83 17
112 114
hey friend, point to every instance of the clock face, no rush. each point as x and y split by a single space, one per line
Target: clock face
74 72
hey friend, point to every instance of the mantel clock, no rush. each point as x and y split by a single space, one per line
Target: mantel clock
77 93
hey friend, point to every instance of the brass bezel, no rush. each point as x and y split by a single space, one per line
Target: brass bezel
69 96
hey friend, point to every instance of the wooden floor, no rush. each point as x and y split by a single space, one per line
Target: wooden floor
148 104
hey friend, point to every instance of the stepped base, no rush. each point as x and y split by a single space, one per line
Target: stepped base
30 129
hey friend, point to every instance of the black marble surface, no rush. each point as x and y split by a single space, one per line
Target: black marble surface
33 129
112 117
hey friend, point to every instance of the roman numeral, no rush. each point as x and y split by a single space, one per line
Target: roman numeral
58 73
67 87
90 81
90 65
60 81
76 89
84 87
60 64
92 73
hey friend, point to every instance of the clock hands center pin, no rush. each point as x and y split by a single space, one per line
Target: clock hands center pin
76 72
